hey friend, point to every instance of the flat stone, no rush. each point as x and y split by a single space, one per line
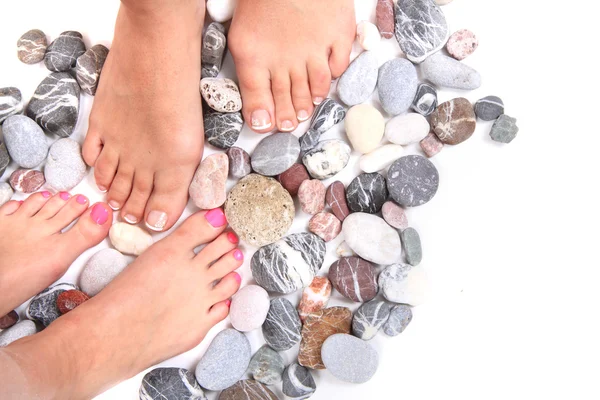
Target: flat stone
293 178
317 328
412 181
247 390
407 129
367 193
16 332
288 264
380 158
214 43
63 52
404 284
327 159
89 67
400 317
65 167
311 195
335 197
343 250
462 44
367 35
26 180
129 239
100 270
325 225
384 15
207 189
69 300
259 210
4 159
327 114
394 215
314 297
505 129
421 28
281 329
221 94
370 318
298 382
25 141
225 360
354 278
454 121
446 72
223 130
249 308
43 307
357 84
6 193
275 154
239 162
489 108
349 358
431 145
266 366
221 10
364 127
372 238
425 101
411 242
31 46
11 102
170 384
55 104
9 320
397 85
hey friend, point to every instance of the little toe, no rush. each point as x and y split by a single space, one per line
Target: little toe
10 207
120 188
226 287
319 77
301 97
257 99
34 203
92 146
91 228
200 228
218 312
105 169
133 210
53 206
228 263
216 249
168 199
73 209
339 58
285 114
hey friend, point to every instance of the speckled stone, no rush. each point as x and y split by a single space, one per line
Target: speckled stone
412 181
293 178
327 114
69 300
364 127
247 390
239 162
55 104
400 317
384 15
266 366
6 193
454 121
397 85
317 328
425 101
221 94
207 189
394 215
259 210
404 284
411 242
431 145
25 141
26 180
43 307
380 158
489 108
16 332
407 129
298 382
327 159
446 72
314 297
214 44
275 154
325 225
354 278
9 320
100 270
249 308
369 319
311 195
367 193
357 84
63 52
11 102
4 159
462 44
288 264
130 239
335 197
31 46
281 329
349 358
222 130
89 68
170 384
505 129
225 360
65 167
372 238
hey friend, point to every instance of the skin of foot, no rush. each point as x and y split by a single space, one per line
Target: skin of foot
161 305
35 251
286 53
145 136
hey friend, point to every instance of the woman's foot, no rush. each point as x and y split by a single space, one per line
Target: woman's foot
145 137
34 251
286 52
161 305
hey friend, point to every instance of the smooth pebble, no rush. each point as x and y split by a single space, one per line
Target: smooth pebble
63 52
446 72
65 167
298 382
372 238
425 101
349 358
266 366
239 162
6 193
343 250
170 384
368 35
26 180
367 193
89 68
454 121
69 300
248 389
400 317
293 177
431 145
129 239
412 181
11 102
214 43
404 284
221 10
9 320
25 141
327 114
380 158
31 46
335 197
16 332
489 108
4 159
364 127
221 94
325 225
394 215
311 195
397 85
282 327
100 270
411 242
462 44
275 154
222 130
314 297
249 308
354 278
43 307
407 129
358 83
370 318
384 14
207 189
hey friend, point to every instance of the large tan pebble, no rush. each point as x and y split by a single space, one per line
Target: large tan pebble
129 239
365 127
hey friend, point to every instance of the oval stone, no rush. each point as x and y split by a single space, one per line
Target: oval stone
89 67
400 317
412 181
26 180
31 46
489 108
407 129
372 238
454 121
221 94
65 167
311 195
11 102
357 84
411 242
266 366
293 178
298 382
349 359
335 197
16 332
380 158
367 193
207 189
129 239
69 300
239 162
425 100
384 15
327 159
222 130
367 35
325 225
9 320
247 389
446 72
170 384
63 52
394 215
397 85
25 141
214 44
354 278
404 284
249 308
43 307
275 154
100 270
314 297
431 145
369 319
462 44
364 127
281 329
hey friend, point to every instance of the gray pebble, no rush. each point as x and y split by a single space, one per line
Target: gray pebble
411 242
327 114
100 270
89 67
397 85
43 307
369 319
505 129
170 384
282 327
6 193
425 101
298 382
16 332
65 167
4 158
275 154
412 181
64 51
222 130
357 84
11 102
31 46
239 162
214 43
446 72
225 360
489 108
367 193
266 366
349 358
25 141
400 317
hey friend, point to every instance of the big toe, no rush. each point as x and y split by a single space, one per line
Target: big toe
257 98
91 228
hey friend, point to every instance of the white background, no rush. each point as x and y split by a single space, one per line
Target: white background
510 241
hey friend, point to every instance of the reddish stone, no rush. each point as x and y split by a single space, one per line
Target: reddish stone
27 180
385 18
454 121
354 278
67 301
335 197
315 297
9 320
394 215
325 225
462 44
293 178
431 145
312 196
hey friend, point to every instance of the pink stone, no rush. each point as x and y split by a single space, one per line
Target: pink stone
27 180
325 225
312 196
431 145
385 18
315 297
462 44
208 186
394 215
335 197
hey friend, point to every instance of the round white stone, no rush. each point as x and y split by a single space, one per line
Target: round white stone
367 35
100 270
380 158
249 308
372 238
365 127
407 129
404 284
221 10
129 239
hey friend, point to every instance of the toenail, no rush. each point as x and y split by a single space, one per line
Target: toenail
261 119
228 303
317 100
156 220
232 237
102 189
302 115
238 255
287 126
20 202
81 199
46 195
130 219
114 205
237 277
216 218
99 214
65 196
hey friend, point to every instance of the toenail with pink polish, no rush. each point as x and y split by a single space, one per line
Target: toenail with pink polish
99 214
46 195
157 220
232 237
228 303
216 218
238 277
287 126
65 196
114 205
238 255
302 115
261 119
81 199
317 100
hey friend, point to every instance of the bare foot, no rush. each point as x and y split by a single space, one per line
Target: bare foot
34 251
286 52
146 138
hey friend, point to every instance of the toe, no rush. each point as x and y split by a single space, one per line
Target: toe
257 100
120 188
319 77
133 211
226 287
339 59
200 228
72 210
105 169
91 228
301 94
219 312
10 208
213 251
228 263
168 199
53 206
34 203
91 147
285 114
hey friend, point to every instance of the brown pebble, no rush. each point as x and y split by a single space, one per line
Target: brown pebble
69 300
31 47
312 196
354 278
314 297
27 180
454 121
394 215
385 18
335 197
9 320
431 145
247 389
462 44
239 162
293 178
325 225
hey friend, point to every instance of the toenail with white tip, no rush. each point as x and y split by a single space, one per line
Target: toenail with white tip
114 205
317 100
130 219
287 126
156 220
261 119
302 115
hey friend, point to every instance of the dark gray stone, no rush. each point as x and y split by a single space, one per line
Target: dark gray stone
239 162
369 319
31 46
328 114
11 102
357 84
43 307
214 44
400 317
489 108
411 242
4 159
89 67
170 384
25 141
298 382
266 366
367 193
222 130
412 181
505 129
275 154
425 101
64 51
282 328
397 84
349 358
